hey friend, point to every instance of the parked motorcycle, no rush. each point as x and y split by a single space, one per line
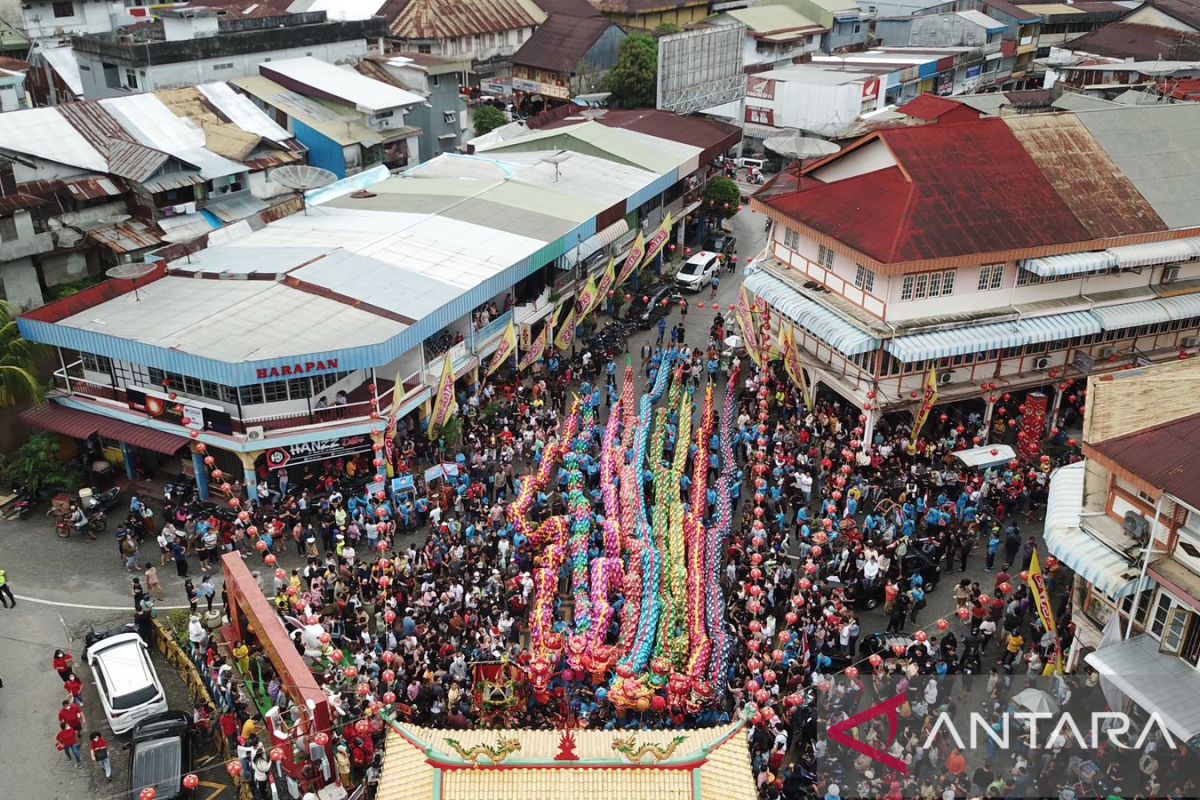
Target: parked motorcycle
97 523
98 501
25 503
179 491
754 175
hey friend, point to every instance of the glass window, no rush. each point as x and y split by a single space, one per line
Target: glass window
1178 621
251 395
864 278
922 286
948 282
935 284
1161 610
275 391
906 288
298 388
985 277
824 256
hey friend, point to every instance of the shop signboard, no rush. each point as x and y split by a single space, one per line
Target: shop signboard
189 413
319 450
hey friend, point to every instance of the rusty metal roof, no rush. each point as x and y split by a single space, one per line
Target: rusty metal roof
126 158
127 237
561 42
19 201
1096 191
1163 456
450 19
92 187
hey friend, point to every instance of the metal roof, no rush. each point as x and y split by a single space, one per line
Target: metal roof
45 133
819 320
1158 149
126 237
328 119
772 19
982 20
1156 681
620 144
92 187
342 83
241 111
150 122
992 336
1070 264
62 61
453 19
1086 555
560 43
1163 456
1151 253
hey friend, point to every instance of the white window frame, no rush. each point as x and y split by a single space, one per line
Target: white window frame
864 278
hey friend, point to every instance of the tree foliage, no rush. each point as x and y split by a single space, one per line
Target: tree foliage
633 80
36 466
486 118
722 198
18 363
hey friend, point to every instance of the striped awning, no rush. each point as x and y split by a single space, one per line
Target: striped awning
593 243
1158 682
819 320
992 336
83 424
1168 252
1070 264
1184 306
1088 557
1130 315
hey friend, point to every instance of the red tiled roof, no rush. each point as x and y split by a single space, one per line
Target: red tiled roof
931 107
957 190
1163 456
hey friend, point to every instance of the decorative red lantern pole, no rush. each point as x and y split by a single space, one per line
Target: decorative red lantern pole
1033 426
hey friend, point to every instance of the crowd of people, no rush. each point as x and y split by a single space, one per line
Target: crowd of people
417 588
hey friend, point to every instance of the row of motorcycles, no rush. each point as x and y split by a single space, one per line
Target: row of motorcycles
87 515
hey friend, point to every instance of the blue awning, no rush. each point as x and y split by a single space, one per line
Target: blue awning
1070 264
1131 315
819 320
1087 556
992 336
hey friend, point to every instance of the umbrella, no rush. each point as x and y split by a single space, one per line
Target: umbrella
793 145
733 342
1036 701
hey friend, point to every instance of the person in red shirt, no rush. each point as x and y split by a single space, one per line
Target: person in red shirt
99 748
67 741
230 727
74 688
72 715
62 664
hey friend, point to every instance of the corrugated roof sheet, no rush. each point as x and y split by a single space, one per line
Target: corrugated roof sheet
19 201
772 18
930 106
48 134
560 43
451 19
62 61
328 80
1158 149
241 111
1100 196
1187 11
823 322
126 237
92 187
992 336
338 124
82 424
1132 41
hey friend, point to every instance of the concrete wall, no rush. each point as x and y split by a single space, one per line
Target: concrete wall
91 16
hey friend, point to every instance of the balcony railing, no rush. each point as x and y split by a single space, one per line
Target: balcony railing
357 410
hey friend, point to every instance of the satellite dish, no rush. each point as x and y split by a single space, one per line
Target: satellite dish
593 113
114 219
302 177
63 236
131 272
557 159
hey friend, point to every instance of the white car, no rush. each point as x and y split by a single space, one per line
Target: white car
698 270
125 678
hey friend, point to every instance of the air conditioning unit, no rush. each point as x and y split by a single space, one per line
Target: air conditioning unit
1041 363
1136 526
254 433
945 377
1170 275
1191 341
1106 352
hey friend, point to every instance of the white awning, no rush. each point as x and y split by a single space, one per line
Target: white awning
992 336
1158 682
822 322
1168 252
1087 556
594 242
1184 306
1070 264
985 455
1130 315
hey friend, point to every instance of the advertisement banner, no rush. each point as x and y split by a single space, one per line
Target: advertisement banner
658 240
566 333
607 282
632 260
537 349
319 450
793 365
191 414
1041 601
585 300
445 402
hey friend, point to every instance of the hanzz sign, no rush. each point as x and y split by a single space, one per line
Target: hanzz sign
317 451
299 368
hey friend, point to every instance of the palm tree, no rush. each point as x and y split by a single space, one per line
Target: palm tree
18 363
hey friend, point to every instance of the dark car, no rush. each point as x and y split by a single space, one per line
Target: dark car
645 314
160 754
722 242
916 563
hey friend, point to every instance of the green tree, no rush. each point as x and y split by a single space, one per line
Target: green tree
633 80
722 198
18 363
486 118
36 465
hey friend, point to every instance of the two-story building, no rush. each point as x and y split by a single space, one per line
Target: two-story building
1126 522
49 21
192 45
1020 37
348 122
971 29
289 343
846 25
565 57
776 35
485 32
1006 254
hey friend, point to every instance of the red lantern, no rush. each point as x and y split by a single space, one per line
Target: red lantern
351 672
270 560
202 448
321 740
1024 576
921 636
149 793
964 614
276 754
234 768
1005 587
898 649
335 656
851 672
875 659
942 624
389 698
192 780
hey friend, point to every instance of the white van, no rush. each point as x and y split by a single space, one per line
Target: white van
747 163
128 685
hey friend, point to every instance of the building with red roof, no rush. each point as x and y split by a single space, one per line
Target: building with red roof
996 251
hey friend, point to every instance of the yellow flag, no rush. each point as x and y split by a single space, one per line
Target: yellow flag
659 239
445 403
586 299
1041 601
632 259
745 319
927 402
506 348
566 334
537 349
793 365
607 282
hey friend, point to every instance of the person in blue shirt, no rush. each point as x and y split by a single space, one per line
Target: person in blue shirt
662 329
